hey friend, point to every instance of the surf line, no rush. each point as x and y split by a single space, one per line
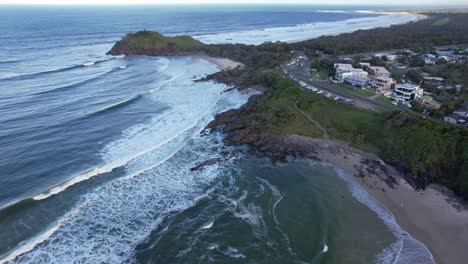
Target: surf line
119 163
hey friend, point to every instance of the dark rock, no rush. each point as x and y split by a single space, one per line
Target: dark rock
202 165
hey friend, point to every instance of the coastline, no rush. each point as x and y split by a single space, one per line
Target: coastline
432 216
222 63
303 32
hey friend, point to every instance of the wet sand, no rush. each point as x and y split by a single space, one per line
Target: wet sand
433 216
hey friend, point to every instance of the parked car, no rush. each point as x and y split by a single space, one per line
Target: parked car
337 98
319 91
328 95
394 103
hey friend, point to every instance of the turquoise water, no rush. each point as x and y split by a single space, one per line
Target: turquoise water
257 213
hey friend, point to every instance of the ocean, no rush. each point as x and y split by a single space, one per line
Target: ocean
97 150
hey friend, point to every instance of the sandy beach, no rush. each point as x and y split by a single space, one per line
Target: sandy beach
433 216
223 63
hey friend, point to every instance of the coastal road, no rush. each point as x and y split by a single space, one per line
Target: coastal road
301 72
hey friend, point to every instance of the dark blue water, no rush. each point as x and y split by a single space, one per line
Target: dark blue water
50 127
96 151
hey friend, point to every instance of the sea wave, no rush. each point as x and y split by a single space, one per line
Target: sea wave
118 104
122 161
161 191
65 69
308 31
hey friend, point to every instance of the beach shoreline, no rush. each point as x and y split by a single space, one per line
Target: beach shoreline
222 63
308 31
432 216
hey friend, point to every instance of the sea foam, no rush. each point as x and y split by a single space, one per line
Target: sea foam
308 31
110 220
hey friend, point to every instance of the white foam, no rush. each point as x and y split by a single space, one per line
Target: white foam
309 31
208 226
110 220
325 248
404 251
142 139
88 63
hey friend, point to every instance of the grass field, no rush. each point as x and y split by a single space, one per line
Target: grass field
384 100
319 75
342 121
363 92
359 91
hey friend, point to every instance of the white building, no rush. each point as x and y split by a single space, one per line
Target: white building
357 81
407 92
343 71
390 57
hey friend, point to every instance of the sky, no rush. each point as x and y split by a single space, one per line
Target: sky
421 3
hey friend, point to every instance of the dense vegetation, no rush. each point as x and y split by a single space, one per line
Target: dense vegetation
424 33
154 43
426 150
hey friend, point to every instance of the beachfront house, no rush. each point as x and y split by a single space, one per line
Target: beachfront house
376 71
429 103
343 71
407 92
386 56
357 81
433 80
380 84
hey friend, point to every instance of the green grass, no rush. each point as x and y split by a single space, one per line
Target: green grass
278 115
384 100
342 121
426 150
441 21
363 92
319 75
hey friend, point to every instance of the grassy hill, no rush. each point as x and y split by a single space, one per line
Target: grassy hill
154 43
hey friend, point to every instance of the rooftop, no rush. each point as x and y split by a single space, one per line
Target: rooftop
408 86
379 69
383 78
343 66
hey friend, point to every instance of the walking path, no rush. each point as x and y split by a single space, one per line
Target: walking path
325 133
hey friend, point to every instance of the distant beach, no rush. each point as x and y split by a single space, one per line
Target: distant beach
313 30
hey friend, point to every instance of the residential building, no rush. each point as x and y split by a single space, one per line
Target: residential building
380 84
407 92
455 119
433 80
358 81
429 103
379 71
342 71
463 111
388 56
365 64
